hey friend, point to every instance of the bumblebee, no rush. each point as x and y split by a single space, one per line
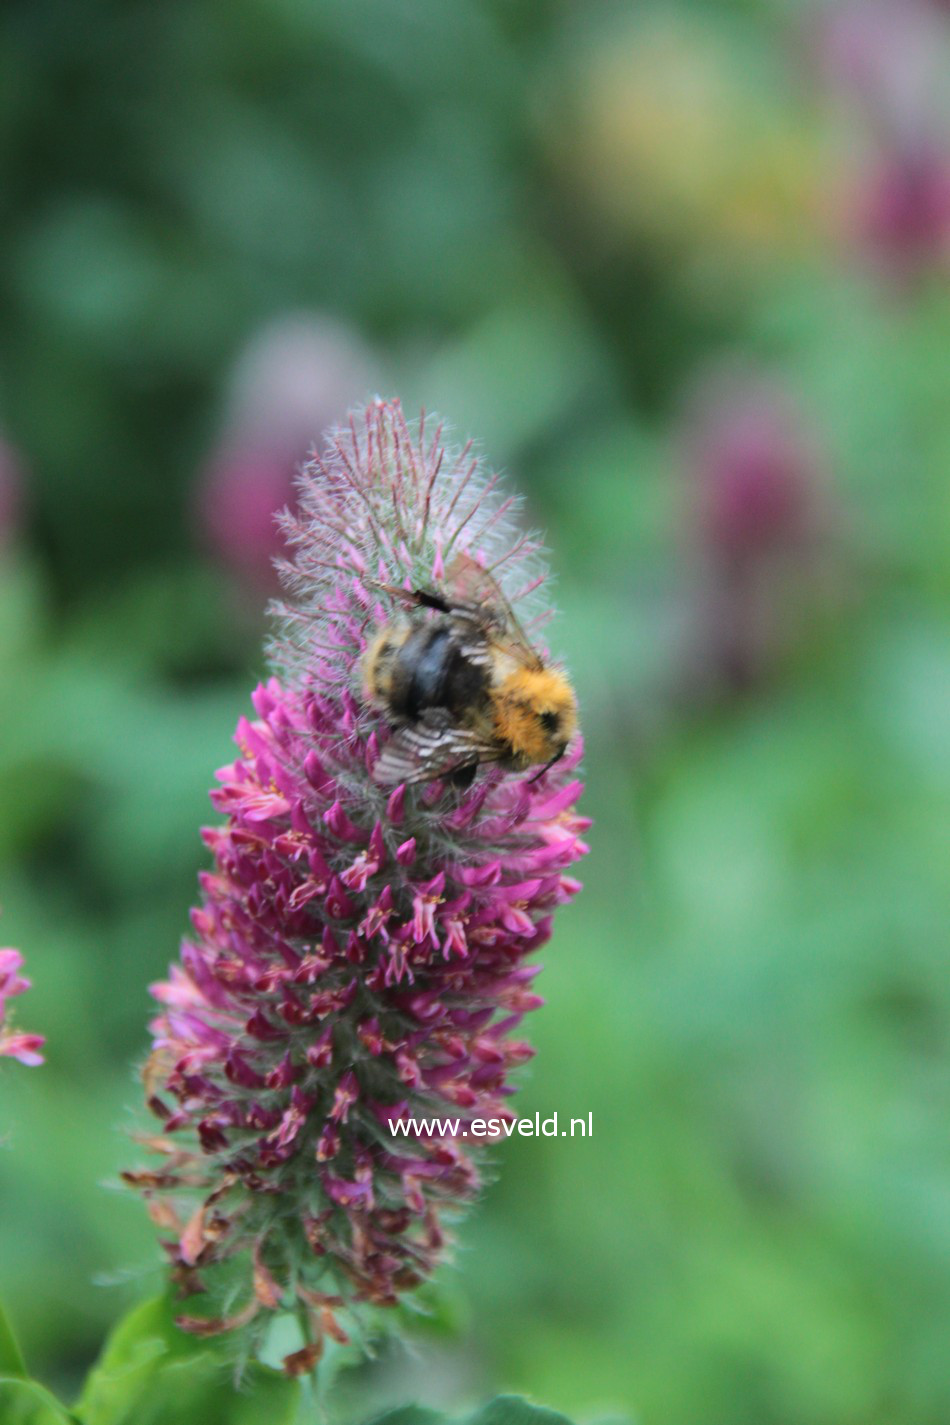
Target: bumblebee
460 685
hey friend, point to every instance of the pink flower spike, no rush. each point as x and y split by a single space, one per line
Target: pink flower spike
11 983
360 953
15 1045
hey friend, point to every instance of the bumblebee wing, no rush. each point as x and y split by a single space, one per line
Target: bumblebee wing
476 589
430 748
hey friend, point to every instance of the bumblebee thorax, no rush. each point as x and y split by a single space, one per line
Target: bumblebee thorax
535 713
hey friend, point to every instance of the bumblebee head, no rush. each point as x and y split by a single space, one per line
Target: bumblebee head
536 714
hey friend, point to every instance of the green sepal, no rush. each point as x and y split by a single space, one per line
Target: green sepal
152 1373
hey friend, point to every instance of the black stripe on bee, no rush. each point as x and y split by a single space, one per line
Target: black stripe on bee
431 671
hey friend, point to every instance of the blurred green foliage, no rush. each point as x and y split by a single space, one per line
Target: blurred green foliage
751 996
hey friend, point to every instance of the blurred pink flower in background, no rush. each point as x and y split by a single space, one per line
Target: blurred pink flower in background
886 64
902 211
884 56
24 1047
290 383
756 520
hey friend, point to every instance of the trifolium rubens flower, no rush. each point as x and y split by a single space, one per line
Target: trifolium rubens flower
362 950
16 1044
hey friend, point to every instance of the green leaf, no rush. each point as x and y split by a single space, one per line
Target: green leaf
503 1410
410 1415
23 1402
514 1410
151 1373
11 1362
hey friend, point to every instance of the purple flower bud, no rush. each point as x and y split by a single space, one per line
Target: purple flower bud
358 957
24 1047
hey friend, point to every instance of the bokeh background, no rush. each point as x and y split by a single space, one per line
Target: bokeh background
683 269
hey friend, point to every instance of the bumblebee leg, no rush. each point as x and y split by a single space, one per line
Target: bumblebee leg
427 600
421 598
462 777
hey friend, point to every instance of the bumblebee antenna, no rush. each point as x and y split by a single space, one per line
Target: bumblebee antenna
547 767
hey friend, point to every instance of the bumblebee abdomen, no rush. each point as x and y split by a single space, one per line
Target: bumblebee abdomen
431 671
379 662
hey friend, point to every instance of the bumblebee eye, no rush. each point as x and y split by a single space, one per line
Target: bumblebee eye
549 721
